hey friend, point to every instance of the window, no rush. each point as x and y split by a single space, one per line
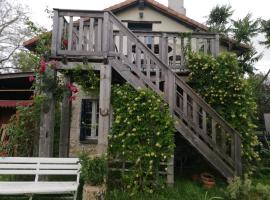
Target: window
89 120
140 26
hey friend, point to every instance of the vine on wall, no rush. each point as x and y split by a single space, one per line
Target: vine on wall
142 135
222 84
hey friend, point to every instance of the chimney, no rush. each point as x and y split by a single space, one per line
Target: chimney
178 6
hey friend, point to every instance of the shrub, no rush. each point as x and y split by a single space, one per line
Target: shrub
93 169
142 137
246 190
221 82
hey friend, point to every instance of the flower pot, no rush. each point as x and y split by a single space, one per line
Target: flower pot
3 154
208 180
93 192
195 177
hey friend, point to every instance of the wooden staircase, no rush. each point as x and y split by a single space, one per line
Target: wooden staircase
100 35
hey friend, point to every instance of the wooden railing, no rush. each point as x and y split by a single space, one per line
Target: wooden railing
80 33
88 33
170 47
207 130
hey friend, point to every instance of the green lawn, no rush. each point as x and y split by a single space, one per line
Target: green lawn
182 190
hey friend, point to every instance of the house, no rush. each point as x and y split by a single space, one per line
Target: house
141 42
15 90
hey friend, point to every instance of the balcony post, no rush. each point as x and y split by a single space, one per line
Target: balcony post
217 44
55 33
105 37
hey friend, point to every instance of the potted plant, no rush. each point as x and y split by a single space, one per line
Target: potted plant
93 173
208 180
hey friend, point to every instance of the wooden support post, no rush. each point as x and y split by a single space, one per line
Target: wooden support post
104 108
217 45
47 125
65 123
55 33
170 97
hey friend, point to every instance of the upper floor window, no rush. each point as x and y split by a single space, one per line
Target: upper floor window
140 26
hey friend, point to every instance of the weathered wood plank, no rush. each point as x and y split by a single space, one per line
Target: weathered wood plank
129 50
121 43
195 113
185 103
99 35
80 34
267 122
138 58
217 44
70 34
65 123
204 122
104 108
214 131
60 33
105 40
47 125
91 35
174 52
54 46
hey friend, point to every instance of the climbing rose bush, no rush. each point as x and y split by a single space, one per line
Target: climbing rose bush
142 135
222 84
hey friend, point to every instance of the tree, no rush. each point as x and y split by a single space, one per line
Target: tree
265 29
261 85
13 30
218 19
242 30
245 29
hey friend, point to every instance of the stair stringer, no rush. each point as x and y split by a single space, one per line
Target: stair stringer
204 150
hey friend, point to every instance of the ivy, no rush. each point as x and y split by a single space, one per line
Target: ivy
142 135
221 82
85 76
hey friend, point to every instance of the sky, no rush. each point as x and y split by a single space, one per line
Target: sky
196 9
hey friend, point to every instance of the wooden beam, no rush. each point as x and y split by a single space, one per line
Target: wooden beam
65 123
104 108
17 90
47 125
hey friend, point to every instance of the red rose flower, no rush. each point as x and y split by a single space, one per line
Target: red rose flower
72 88
31 78
65 43
72 98
42 67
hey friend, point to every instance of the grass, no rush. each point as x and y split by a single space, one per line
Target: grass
182 190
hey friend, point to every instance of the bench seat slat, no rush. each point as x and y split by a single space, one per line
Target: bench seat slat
36 160
41 172
42 166
18 166
15 188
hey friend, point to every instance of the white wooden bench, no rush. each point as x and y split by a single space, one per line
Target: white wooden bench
39 167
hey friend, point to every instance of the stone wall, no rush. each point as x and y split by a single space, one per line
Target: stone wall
75 146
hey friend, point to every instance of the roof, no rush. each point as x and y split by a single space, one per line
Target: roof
16 75
15 103
162 8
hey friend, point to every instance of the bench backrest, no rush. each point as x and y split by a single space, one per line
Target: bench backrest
39 166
